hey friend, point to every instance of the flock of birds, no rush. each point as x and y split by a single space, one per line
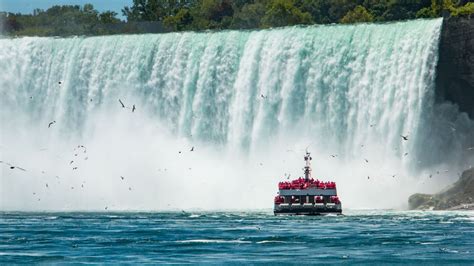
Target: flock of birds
82 149
404 138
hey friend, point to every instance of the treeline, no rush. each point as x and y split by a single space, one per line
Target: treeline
180 15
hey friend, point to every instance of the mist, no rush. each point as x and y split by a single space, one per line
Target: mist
249 102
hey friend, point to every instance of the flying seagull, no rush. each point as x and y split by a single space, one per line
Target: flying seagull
13 166
366 160
404 137
123 105
133 108
122 177
51 123
192 149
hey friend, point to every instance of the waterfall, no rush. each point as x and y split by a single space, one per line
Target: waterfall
351 90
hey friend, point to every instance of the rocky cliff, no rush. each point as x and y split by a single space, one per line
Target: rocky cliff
455 79
458 196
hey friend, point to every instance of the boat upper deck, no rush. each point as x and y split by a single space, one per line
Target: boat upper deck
308 192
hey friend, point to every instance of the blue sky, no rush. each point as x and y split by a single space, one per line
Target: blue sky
27 6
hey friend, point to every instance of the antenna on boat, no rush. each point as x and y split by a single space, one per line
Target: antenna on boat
307 168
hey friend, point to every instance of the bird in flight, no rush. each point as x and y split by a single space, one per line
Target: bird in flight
192 149
404 137
13 166
133 108
51 123
123 105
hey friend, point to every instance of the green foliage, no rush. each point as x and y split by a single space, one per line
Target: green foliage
179 15
283 13
466 10
448 6
108 17
249 16
60 21
212 14
154 10
358 14
181 21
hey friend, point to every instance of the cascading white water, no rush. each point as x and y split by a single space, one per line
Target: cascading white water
245 99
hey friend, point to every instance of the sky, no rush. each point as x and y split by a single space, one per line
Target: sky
27 6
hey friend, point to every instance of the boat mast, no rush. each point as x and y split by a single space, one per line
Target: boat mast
307 168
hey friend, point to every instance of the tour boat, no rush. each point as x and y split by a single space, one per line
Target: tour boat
307 196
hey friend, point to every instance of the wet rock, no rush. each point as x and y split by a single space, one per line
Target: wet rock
459 196
455 71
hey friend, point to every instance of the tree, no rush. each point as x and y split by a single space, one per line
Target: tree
180 21
212 14
144 10
466 10
249 17
108 17
284 13
439 6
359 14
9 22
155 10
318 9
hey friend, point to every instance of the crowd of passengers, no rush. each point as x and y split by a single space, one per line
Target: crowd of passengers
317 199
300 183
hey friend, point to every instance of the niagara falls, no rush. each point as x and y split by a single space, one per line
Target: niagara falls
179 137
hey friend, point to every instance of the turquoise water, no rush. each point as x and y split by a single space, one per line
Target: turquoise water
242 237
328 84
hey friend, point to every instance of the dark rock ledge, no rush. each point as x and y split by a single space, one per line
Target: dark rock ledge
459 196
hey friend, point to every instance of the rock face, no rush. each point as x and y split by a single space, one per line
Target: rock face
455 73
456 197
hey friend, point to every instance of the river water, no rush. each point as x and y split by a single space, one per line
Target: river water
237 237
